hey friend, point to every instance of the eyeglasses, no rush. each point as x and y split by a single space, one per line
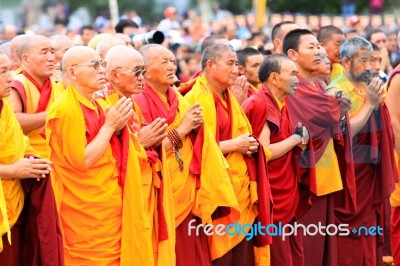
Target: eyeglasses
137 72
95 64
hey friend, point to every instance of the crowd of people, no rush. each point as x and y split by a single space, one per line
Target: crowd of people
117 150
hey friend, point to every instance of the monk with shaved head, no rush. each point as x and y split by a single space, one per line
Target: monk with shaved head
106 44
102 223
15 60
125 70
33 91
201 189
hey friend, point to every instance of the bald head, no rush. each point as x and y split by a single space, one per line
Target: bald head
213 39
106 44
125 69
151 51
122 56
14 47
61 44
76 55
84 70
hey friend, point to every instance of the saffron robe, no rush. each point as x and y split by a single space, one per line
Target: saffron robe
105 199
243 175
203 187
36 99
157 192
36 218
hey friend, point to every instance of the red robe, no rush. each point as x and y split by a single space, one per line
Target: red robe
321 114
282 172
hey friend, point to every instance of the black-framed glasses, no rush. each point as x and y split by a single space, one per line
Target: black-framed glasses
95 64
136 72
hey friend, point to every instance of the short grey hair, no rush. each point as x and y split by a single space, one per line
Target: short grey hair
214 52
351 47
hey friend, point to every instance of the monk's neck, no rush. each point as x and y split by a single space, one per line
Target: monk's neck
119 92
216 87
307 75
40 80
85 92
277 93
160 88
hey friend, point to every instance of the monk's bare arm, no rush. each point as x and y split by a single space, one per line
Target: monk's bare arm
278 149
394 108
26 168
245 144
28 122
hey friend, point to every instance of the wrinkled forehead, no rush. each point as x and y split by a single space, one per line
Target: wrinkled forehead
4 61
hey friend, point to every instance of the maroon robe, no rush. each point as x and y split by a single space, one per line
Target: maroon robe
283 172
321 114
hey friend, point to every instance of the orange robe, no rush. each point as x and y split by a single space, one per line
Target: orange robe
109 226
157 192
198 192
36 99
31 216
13 146
245 189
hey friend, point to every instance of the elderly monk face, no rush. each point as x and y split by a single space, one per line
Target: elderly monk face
86 69
5 76
225 68
287 78
125 70
39 58
360 66
161 66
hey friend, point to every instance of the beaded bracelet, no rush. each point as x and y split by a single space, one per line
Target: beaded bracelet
175 139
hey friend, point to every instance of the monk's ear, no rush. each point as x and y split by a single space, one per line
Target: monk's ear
210 64
71 73
24 59
114 75
277 43
241 70
273 77
346 62
292 54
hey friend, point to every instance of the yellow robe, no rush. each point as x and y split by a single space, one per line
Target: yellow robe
164 251
245 191
215 189
13 146
100 225
32 101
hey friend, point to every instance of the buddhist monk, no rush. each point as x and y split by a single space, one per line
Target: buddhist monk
94 183
372 132
329 153
231 129
392 86
18 162
250 60
332 38
33 91
200 183
125 70
270 120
